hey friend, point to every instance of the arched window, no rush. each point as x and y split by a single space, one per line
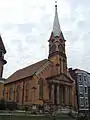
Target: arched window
4 92
27 92
14 93
41 89
18 93
10 93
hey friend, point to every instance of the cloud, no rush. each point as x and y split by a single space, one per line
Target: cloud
26 25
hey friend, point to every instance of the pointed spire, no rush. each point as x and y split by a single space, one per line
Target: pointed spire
2 47
56 25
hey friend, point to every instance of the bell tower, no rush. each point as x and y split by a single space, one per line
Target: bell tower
57 46
2 61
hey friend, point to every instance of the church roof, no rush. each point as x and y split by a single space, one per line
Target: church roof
2 47
26 72
56 26
2 80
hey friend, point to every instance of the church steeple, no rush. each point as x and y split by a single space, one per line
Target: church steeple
56 26
2 47
2 60
57 45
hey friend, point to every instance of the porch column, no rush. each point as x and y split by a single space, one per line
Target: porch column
60 97
63 97
70 96
58 94
66 95
52 93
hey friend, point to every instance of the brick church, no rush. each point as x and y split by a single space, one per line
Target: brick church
47 80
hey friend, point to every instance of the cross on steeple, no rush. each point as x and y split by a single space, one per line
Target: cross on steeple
56 3
56 26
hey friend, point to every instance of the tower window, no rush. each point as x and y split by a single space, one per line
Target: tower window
52 48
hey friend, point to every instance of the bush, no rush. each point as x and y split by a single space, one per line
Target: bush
11 105
2 104
71 114
82 117
26 108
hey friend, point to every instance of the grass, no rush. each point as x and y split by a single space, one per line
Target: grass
6 117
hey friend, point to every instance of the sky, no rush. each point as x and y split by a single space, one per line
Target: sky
26 25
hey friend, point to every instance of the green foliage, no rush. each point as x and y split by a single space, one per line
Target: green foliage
82 117
26 108
11 105
71 114
2 104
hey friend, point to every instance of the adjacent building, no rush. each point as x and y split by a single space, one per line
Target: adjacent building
89 90
82 79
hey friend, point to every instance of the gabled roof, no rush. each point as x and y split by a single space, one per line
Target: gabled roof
62 76
2 47
26 72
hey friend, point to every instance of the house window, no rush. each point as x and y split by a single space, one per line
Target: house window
85 80
85 90
79 78
86 102
81 101
80 89
81 95
40 89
